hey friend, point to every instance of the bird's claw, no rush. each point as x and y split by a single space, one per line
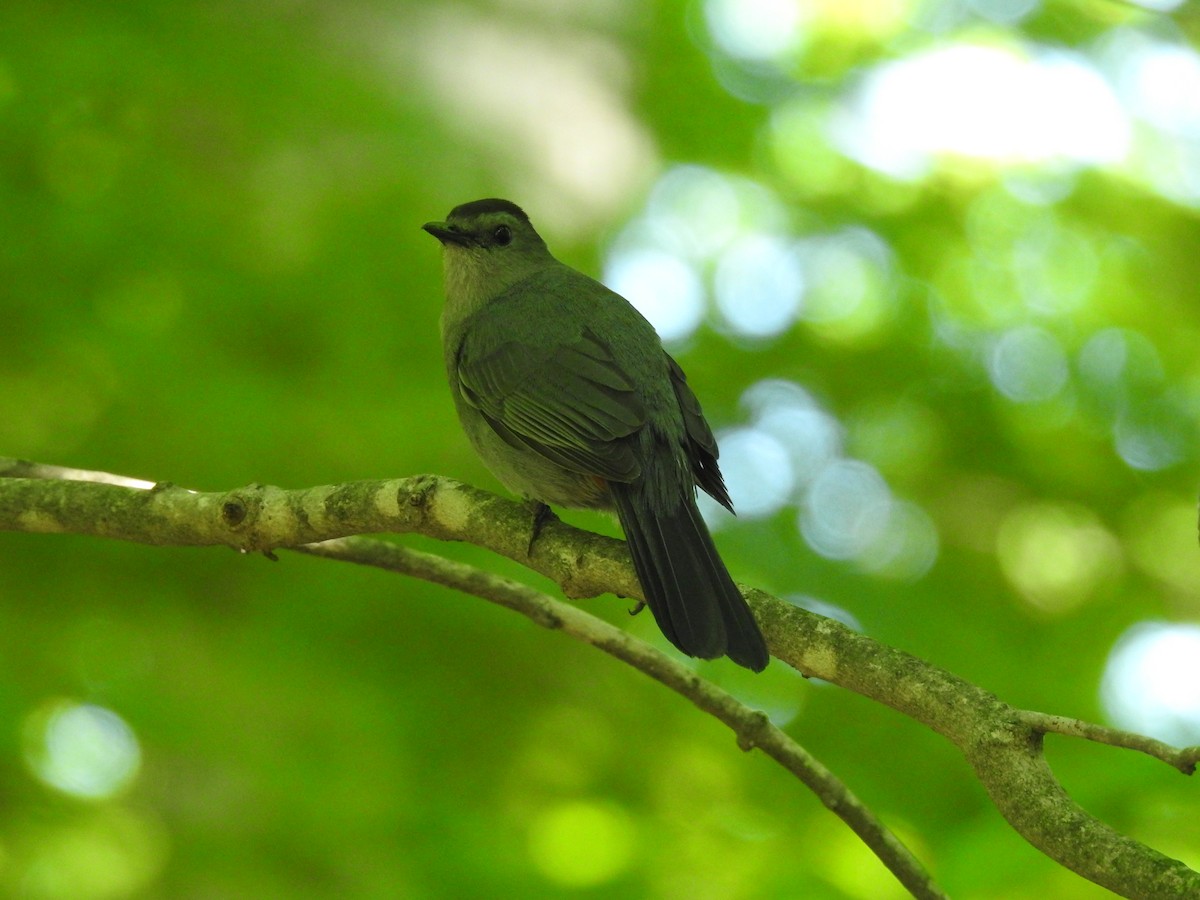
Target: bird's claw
541 515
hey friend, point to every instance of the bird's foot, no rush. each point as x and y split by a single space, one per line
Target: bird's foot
542 514
641 604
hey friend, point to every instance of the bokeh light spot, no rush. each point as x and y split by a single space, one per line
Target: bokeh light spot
899 436
759 285
845 510
1028 364
663 288
758 472
81 749
693 211
109 853
1160 533
1162 84
907 545
582 844
986 103
845 269
1117 358
801 151
559 107
697 222
755 29
1151 435
849 282
1056 556
811 437
1056 268
1004 12
1151 684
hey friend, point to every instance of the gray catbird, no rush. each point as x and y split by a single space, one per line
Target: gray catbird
569 398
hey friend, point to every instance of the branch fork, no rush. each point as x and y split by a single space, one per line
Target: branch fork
1002 744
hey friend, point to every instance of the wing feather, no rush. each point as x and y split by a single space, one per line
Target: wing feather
571 403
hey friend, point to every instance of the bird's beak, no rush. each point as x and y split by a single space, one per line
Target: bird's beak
447 233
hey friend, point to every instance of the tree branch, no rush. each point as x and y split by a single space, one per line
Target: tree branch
1182 759
753 728
1002 744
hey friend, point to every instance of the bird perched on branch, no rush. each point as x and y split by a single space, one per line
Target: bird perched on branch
568 396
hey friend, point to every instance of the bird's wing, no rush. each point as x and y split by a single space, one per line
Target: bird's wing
569 401
702 446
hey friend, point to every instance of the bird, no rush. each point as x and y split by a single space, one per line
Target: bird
568 396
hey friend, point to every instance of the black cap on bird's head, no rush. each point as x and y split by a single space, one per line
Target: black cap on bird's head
487 246
490 205
487 224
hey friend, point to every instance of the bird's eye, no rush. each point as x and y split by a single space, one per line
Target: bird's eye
502 235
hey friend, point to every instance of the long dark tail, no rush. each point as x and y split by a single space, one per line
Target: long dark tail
687 586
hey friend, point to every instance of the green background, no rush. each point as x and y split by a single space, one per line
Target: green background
212 273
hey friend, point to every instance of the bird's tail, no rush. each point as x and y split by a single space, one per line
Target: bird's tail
687 586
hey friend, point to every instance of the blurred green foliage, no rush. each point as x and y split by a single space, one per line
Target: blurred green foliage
212 273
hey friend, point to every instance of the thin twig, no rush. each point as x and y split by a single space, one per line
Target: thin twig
1004 748
1184 759
752 727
